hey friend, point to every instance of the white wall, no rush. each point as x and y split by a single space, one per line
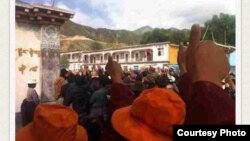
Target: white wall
26 38
164 57
160 58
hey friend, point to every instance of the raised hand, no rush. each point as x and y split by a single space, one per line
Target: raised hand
204 60
114 69
194 40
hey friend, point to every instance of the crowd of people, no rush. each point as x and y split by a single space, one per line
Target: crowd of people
137 105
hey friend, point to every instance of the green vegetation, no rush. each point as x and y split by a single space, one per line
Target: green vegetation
100 34
64 61
161 35
96 46
222 27
143 30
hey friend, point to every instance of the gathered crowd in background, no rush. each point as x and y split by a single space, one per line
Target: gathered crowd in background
112 104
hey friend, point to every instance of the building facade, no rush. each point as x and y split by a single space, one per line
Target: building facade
131 57
37 49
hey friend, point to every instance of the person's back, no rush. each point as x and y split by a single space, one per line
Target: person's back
27 111
32 95
80 97
99 98
29 103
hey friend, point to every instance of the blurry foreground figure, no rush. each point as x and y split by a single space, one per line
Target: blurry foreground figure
151 116
203 66
52 122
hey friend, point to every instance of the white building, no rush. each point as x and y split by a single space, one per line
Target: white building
130 57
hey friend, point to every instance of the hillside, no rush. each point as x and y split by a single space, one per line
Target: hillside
75 43
100 34
143 30
80 37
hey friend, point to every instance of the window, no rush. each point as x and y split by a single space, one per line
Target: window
136 67
79 57
122 55
106 56
126 57
136 57
160 51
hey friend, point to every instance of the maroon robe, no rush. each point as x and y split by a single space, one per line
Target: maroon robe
120 96
206 103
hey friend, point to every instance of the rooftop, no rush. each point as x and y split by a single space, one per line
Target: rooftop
126 47
32 6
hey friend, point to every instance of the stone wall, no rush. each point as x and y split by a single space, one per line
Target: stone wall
37 57
50 54
27 59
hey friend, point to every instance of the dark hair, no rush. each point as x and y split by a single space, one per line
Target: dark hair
162 81
148 84
104 80
71 78
63 73
232 74
31 85
144 73
79 80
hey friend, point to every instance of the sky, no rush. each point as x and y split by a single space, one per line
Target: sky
232 59
133 14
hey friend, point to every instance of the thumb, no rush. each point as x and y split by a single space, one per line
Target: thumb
194 38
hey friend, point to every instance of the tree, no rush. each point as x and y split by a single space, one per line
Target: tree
96 46
177 36
162 35
221 29
157 35
64 62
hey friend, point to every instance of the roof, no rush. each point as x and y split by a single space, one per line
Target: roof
32 6
126 47
23 4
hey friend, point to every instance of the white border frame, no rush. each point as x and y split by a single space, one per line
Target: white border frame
4 75
12 65
12 70
238 105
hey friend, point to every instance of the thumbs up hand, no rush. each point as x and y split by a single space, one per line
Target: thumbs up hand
114 70
204 60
